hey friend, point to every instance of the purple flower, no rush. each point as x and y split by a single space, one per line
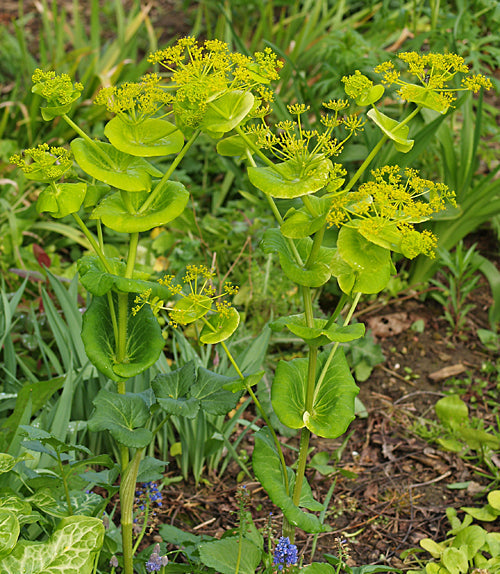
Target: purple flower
156 562
285 553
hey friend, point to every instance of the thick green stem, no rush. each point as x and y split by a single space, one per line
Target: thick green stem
152 196
65 484
127 494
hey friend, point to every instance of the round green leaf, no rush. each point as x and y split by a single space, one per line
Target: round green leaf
118 169
333 403
426 97
455 560
223 326
144 339
291 178
169 201
222 555
301 224
151 137
387 236
371 95
452 411
225 113
191 308
392 129
470 539
234 145
494 500
61 199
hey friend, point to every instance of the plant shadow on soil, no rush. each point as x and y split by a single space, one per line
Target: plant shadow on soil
391 486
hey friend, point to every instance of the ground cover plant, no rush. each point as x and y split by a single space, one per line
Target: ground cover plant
221 94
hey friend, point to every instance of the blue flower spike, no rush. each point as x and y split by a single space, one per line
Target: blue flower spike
156 562
285 553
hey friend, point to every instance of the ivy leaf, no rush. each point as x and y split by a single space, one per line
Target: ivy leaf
290 179
333 403
61 199
225 113
392 129
209 391
223 326
169 202
148 138
267 467
118 169
144 339
124 416
71 549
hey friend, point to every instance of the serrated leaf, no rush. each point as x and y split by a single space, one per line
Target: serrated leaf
111 166
124 416
71 549
222 327
222 555
148 138
144 339
290 178
392 129
333 403
61 199
169 202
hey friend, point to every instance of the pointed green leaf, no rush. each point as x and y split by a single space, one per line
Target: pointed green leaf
61 199
290 178
392 129
333 403
144 339
111 166
169 201
477 439
71 549
124 416
225 113
267 468
172 391
9 532
148 138
222 555
222 327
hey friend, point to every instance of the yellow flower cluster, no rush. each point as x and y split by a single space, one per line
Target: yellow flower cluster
48 162
136 100
56 89
393 199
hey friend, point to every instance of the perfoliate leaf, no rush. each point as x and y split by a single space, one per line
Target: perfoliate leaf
144 339
124 416
225 113
71 549
302 223
370 95
392 129
169 201
223 326
111 166
426 97
267 467
290 179
234 145
148 138
61 199
333 402
191 308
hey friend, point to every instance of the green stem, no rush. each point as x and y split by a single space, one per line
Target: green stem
152 196
89 140
95 246
366 163
254 148
65 484
127 494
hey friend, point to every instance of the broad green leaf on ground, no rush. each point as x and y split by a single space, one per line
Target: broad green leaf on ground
392 129
222 326
222 555
168 202
452 411
225 113
124 416
143 345
61 199
71 549
290 178
267 468
318 568
148 138
9 531
333 402
111 166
